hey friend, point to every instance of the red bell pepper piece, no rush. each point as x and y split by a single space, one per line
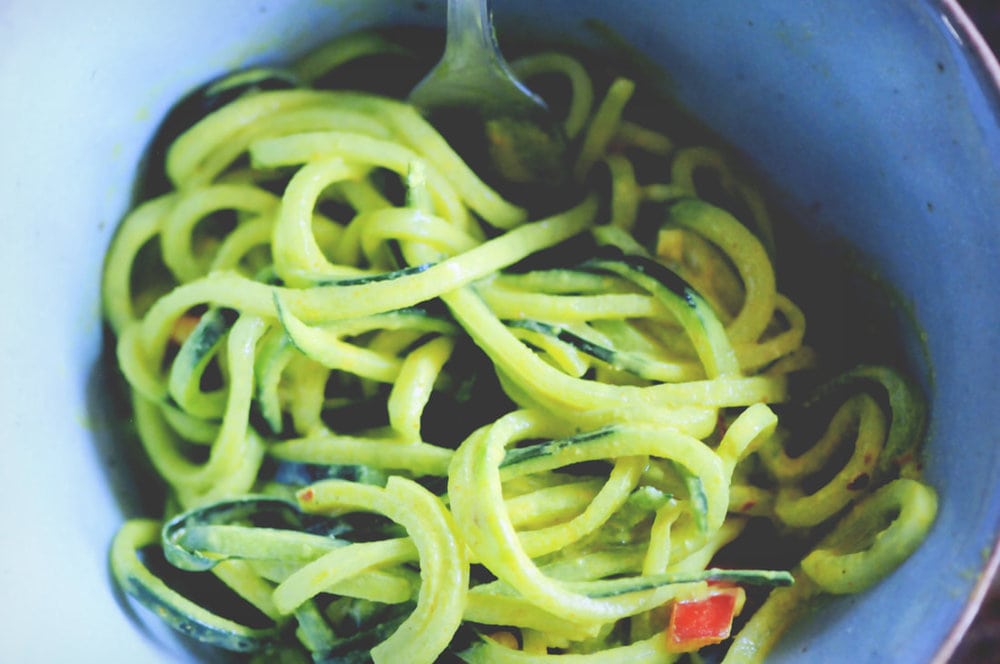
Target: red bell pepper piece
703 620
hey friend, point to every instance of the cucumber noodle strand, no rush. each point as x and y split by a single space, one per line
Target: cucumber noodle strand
400 416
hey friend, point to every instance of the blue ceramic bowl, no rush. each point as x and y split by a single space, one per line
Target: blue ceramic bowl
876 123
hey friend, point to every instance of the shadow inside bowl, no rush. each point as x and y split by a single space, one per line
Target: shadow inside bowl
137 490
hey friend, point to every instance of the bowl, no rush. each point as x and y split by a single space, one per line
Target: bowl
877 123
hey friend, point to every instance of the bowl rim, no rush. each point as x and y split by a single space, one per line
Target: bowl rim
972 605
968 34
965 30
982 54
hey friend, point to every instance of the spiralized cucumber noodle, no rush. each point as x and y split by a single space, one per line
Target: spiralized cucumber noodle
400 418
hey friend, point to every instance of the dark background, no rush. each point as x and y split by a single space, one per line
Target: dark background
986 14
982 643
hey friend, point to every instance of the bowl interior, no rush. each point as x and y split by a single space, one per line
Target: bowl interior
873 123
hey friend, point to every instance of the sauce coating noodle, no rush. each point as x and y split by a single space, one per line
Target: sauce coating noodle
405 419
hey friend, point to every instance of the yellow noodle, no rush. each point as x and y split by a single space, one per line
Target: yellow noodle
330 314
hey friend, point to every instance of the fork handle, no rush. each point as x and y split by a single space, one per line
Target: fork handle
471 34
